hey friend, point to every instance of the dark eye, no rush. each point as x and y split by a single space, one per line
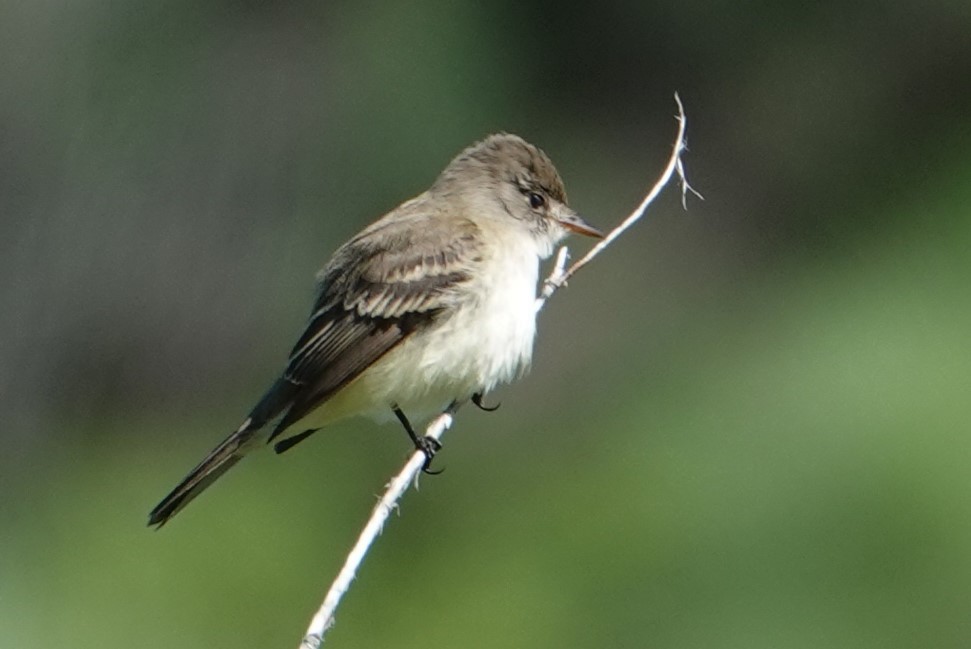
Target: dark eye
536 200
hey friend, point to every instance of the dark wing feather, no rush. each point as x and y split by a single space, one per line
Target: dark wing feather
391 280
382 286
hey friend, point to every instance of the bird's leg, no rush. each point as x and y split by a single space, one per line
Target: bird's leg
477 400
286 444
427 445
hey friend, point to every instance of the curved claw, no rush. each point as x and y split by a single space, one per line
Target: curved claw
429 446
428 471
477 400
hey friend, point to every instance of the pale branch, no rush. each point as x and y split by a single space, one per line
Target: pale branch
559 277
324 618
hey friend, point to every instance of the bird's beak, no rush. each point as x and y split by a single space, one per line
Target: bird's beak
572 221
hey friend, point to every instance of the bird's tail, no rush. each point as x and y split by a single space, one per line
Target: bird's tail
224 456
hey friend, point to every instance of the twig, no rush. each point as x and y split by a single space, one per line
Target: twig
324 619
558 277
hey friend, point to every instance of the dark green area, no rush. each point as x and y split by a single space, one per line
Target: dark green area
747 424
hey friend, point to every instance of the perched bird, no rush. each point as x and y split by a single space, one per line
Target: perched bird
426 308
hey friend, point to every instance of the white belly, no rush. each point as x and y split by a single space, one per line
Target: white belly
485 342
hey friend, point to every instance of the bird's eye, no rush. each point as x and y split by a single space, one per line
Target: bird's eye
536 200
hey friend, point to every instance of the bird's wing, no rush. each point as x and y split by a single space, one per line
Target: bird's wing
391 280
388 282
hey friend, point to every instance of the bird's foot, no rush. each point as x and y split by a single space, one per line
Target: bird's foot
477 400
429 446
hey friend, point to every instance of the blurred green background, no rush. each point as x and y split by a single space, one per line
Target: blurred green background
747 424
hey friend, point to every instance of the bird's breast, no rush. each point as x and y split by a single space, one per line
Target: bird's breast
485 338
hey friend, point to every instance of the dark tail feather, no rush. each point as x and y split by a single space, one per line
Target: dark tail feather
216 463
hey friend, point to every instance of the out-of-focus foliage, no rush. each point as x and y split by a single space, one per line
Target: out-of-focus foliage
747 424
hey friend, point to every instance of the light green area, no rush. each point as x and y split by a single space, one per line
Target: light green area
747 426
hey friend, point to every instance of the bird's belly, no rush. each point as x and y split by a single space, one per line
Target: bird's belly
486 341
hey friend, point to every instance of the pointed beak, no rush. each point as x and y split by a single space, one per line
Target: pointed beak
572 221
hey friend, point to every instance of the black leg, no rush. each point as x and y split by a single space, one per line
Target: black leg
286 444
427 445
477 400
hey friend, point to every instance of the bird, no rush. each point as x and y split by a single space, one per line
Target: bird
430 306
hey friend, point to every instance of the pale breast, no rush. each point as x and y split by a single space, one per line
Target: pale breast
486 341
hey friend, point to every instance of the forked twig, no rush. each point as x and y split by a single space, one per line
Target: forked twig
559 277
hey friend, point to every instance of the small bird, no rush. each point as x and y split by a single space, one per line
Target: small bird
428 307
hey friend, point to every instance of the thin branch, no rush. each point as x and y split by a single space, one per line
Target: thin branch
324 619
558 277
